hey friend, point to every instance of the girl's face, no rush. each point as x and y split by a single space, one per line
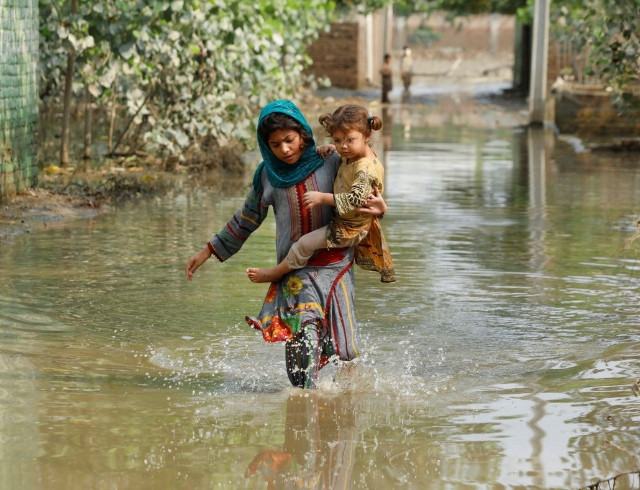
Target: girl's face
350 144
287 145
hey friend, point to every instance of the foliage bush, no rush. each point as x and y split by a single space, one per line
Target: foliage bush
178 71
423 35
608 31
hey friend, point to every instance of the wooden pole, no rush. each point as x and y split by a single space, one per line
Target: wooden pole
388 31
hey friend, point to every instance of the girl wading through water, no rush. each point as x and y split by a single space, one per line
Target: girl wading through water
310 309
360 172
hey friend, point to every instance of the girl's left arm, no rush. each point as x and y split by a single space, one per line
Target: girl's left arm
355 198
374 204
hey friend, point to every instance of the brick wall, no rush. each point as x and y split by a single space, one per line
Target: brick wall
350 54
18 96
335 55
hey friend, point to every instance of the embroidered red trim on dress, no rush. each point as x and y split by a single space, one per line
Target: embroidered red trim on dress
327 257
305 214
327 308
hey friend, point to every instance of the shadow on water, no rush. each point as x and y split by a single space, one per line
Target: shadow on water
504 357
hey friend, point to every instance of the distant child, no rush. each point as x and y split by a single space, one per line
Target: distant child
360 173
406 68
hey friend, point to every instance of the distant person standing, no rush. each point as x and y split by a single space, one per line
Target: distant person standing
406 68
387 81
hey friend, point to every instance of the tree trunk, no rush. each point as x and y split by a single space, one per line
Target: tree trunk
87 126
66 114
112 118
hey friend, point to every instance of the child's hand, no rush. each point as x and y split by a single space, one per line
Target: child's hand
311 199
325 150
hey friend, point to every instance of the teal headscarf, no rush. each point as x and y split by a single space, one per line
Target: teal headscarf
279 173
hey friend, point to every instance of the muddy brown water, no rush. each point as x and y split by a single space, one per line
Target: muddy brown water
504 357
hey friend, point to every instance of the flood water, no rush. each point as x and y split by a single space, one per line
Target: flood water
504 357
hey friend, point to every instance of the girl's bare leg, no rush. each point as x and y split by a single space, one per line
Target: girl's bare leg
303 354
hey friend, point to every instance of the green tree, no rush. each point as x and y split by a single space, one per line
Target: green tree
458 8
608 31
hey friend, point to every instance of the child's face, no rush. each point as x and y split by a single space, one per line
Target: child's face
350 144
286 145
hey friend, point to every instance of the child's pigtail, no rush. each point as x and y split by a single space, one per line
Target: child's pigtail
375 123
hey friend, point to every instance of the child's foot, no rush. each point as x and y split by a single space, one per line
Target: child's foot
263 275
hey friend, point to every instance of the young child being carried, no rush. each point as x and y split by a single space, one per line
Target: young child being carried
360 173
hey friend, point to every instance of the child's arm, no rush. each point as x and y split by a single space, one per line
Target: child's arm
325 150
315 198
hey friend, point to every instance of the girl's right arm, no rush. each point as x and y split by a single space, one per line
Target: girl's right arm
234 234
195 261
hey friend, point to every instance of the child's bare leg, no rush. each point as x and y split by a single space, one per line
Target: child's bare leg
297 258
268 274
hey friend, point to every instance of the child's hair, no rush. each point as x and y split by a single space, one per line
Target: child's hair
349 117
278 120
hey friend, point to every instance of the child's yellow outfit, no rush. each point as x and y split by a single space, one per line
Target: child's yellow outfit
354 182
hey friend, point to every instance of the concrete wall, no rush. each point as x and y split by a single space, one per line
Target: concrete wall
18 96
493 33
589 110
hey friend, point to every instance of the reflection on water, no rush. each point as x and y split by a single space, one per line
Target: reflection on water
506 354
318 450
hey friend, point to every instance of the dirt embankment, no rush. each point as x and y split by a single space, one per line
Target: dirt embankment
40 208
64 195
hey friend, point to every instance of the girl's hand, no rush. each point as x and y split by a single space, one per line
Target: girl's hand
311 199
325 150
195 261
374 204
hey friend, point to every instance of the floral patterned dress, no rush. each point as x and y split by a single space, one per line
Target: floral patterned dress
316 302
